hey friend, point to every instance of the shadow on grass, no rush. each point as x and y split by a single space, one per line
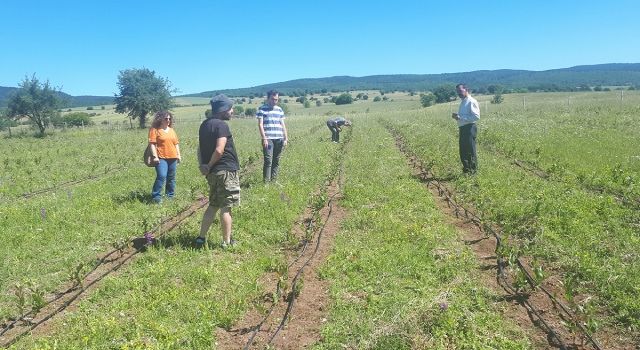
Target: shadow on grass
133 196
182 241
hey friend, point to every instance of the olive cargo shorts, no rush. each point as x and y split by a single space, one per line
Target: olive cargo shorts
224 189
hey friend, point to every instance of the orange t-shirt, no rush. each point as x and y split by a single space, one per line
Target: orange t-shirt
165 141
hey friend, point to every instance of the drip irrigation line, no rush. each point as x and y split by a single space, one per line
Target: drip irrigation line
443 191
190 210
530 279
121 260
67 184
294 282
285 317
617 195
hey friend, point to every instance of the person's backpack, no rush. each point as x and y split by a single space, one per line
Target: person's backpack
148 157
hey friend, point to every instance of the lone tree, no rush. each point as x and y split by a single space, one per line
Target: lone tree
141 93
445 93
35 100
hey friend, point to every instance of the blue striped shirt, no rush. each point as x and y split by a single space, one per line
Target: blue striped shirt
272 118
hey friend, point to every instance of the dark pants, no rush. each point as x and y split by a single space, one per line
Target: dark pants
467 143
335 133
271 159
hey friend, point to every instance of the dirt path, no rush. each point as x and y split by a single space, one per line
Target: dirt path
304 300
294 319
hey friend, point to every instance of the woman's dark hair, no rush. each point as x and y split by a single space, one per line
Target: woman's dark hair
159 116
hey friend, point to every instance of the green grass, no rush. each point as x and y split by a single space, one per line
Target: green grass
396 262
585 237
401 278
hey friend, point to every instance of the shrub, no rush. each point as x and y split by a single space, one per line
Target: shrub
377 99
427 99
344 99
73 119
445 93
250 111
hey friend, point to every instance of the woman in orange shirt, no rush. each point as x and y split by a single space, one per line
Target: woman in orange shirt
166 154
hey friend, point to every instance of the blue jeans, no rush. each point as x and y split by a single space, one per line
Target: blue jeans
165 172
271 159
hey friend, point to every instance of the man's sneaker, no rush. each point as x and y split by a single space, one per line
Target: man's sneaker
199 242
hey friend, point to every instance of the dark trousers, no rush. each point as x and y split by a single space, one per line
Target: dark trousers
271 155
467 143
335 133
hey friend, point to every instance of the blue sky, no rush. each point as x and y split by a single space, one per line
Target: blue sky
81 46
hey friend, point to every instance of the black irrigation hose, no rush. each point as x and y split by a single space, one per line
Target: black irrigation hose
530 279
291 301
67 184
500 262
70 301
443 191
83 288
59 295
617 195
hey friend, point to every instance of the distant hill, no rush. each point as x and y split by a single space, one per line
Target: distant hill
565 79
70 101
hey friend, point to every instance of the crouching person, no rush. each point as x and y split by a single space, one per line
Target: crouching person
219 163
335 125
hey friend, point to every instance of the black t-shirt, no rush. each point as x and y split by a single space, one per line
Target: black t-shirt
210 131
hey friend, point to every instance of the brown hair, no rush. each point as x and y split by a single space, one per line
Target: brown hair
159 116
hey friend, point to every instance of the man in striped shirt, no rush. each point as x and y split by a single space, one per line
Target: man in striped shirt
274 135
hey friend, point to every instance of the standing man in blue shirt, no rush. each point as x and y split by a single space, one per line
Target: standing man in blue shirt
274 136
467 117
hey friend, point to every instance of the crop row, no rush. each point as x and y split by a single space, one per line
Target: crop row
589 240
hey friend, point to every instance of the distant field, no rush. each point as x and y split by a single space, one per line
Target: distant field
559 178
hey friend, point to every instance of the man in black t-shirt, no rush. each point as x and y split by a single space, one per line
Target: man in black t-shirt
219 163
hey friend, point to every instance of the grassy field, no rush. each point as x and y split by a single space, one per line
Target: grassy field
559 175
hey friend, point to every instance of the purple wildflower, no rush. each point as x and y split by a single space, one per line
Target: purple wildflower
43 213
444 306
149 237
